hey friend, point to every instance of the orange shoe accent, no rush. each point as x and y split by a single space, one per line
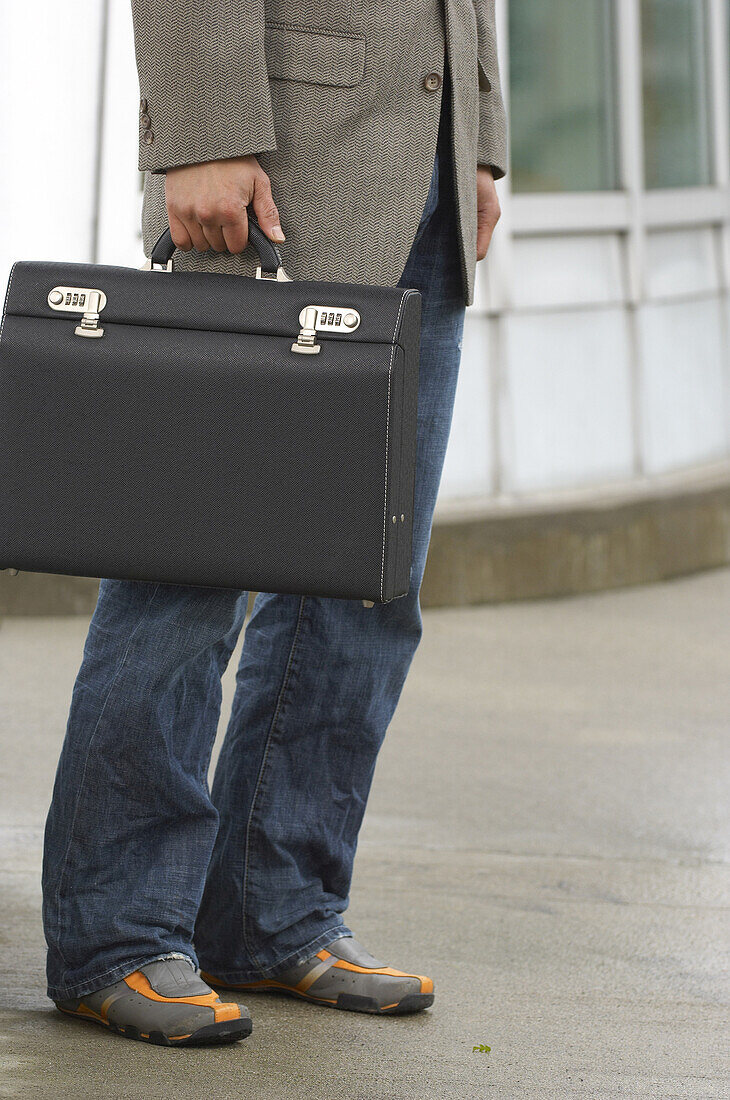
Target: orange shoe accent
302 987
212 980
426 983
229 1011
307 996
264 983
84 1010
140 984
314 973
269 984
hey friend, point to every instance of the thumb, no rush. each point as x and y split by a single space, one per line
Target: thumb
265 209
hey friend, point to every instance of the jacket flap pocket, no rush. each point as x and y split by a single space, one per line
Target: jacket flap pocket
314 56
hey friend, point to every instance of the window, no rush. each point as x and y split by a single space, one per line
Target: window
677 149
562 102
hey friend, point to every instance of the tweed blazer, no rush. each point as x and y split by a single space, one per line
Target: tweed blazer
340 103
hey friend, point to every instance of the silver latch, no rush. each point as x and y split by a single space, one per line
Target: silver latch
306 343
80 299
278 276
333 318
90 321
149 266
74 299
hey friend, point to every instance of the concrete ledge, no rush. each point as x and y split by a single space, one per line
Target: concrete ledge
561 544
485 551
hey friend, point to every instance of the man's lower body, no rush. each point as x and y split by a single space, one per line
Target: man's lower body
140 862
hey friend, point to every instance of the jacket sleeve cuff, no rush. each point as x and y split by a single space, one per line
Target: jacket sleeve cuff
179 150
497 170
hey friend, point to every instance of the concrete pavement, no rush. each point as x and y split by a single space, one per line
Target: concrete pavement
558 862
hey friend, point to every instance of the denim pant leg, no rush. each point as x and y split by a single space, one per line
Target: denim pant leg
131 826
317 685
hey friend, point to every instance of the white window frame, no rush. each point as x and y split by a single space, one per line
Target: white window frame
631 212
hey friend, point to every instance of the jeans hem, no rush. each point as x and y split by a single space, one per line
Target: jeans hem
234 977
109 977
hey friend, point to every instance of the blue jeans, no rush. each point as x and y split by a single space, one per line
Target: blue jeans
141 861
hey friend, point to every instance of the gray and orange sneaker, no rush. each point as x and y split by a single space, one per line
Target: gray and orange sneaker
344 975
165 1003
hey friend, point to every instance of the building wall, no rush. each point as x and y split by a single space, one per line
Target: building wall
598 349
69 188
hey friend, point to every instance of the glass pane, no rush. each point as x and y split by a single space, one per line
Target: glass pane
676 107
562 103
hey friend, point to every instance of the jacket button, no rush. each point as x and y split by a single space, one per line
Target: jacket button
149 137
146 121
143 104
432 82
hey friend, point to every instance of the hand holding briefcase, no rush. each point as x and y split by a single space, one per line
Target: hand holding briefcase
208 429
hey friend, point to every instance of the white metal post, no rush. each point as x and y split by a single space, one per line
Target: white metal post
718 37
631 149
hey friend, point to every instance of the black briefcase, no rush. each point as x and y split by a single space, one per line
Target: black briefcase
208 429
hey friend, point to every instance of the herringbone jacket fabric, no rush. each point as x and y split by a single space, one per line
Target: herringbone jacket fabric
336 102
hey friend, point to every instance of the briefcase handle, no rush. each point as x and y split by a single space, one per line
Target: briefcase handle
269 267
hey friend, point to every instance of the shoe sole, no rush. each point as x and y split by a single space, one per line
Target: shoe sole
414 1002
228 1031
346 1002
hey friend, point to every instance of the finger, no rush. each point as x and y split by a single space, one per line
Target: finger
265 209
180 236
484 237
208 216
486 223
235 234
197 235
214 235
488 214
